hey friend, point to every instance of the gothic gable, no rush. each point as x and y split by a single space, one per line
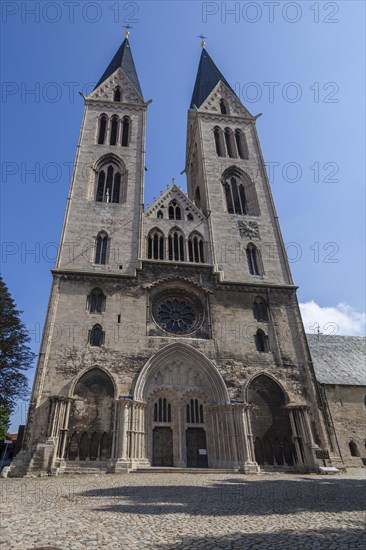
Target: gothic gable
162 204
105 91
234 106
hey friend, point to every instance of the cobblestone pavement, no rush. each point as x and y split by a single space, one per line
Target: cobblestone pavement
144 511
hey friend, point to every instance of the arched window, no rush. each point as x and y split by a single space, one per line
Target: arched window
260 310
175 212
126 128
197 197
194 412
84 446
96 301
96 337
102 129
240 192
235 196
94 447
162 410
253 260
219 142
160 215
117 94
190 217
223 107
195 248
109 183
241 144
156 245
353 449
258 451
230 144
114 130
101 246
105 446
261 341
176 246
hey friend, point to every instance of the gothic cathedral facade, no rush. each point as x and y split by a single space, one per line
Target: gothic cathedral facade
173 336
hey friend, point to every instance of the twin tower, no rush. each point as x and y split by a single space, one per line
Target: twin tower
173 335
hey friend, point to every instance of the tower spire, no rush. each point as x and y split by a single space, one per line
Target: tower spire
123 59
208 75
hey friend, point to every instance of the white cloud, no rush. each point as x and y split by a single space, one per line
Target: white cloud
341 319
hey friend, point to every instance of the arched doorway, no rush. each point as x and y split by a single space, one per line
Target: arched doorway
91 417
162 434
181 388
270 422
196 443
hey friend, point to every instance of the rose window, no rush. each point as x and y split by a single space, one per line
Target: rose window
178 314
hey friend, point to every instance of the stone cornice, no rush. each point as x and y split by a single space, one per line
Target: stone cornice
231 286
113 105
250 287
226 118
85 275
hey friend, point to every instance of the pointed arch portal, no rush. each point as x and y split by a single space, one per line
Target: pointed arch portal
181 360
180 387
270 422
91 416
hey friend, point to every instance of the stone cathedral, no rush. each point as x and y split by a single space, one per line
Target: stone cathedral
173 336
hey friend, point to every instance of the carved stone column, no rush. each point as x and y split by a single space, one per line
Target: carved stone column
302 438
65 429
137 435
114 430
182 451
249 435
232 425
123 414
130 447
244 439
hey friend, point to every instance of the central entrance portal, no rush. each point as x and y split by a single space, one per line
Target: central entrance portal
162 447
196 448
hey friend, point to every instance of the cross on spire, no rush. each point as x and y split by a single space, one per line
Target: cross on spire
203 41
127 31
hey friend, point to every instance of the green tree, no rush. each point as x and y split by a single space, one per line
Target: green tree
4 423
15 357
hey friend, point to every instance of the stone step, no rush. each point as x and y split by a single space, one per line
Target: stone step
84 471
85 467
162 470
281 469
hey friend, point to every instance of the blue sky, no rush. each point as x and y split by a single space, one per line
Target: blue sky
300 64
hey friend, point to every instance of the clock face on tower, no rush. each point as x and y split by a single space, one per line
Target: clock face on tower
177 312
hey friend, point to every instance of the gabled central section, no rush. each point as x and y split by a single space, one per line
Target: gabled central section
175 229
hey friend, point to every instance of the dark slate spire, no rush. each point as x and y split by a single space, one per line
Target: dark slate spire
208 76
123 59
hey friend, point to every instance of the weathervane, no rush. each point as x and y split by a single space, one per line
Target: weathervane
203 41
127 31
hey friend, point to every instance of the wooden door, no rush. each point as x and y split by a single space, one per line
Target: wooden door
196 448
162 447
